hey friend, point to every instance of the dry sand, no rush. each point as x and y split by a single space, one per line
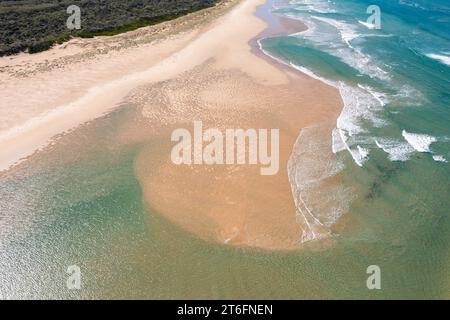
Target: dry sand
208 73
48 93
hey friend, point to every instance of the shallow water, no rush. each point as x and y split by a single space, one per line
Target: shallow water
87 210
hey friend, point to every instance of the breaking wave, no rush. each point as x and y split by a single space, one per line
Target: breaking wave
320 197
439 57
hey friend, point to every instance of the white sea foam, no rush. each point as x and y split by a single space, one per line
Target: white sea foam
423 142
362 103
359 105
396 150
407 95
439 57
439 158
347 32
346 51
364 152
411 4
319 199
380 97
374 35
420 142
270 55
367 25
311 74
337 145
402 150
339 43
319 6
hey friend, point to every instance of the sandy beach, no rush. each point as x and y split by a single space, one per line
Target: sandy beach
206 71
51 92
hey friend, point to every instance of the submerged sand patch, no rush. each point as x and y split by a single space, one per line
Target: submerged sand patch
230 87
231 204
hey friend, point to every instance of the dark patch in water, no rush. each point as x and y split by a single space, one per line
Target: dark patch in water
385 173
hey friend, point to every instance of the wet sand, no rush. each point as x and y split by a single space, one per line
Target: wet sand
232 204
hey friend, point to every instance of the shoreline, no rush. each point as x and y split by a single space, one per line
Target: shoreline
234 205
107 197
213 74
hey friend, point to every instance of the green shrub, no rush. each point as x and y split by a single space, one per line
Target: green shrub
38 24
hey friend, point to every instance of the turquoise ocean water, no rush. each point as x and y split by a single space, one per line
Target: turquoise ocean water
394 80
392 139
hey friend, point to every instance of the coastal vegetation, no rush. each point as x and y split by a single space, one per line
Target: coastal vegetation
35 25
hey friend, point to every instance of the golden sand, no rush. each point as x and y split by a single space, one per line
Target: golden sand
231 204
